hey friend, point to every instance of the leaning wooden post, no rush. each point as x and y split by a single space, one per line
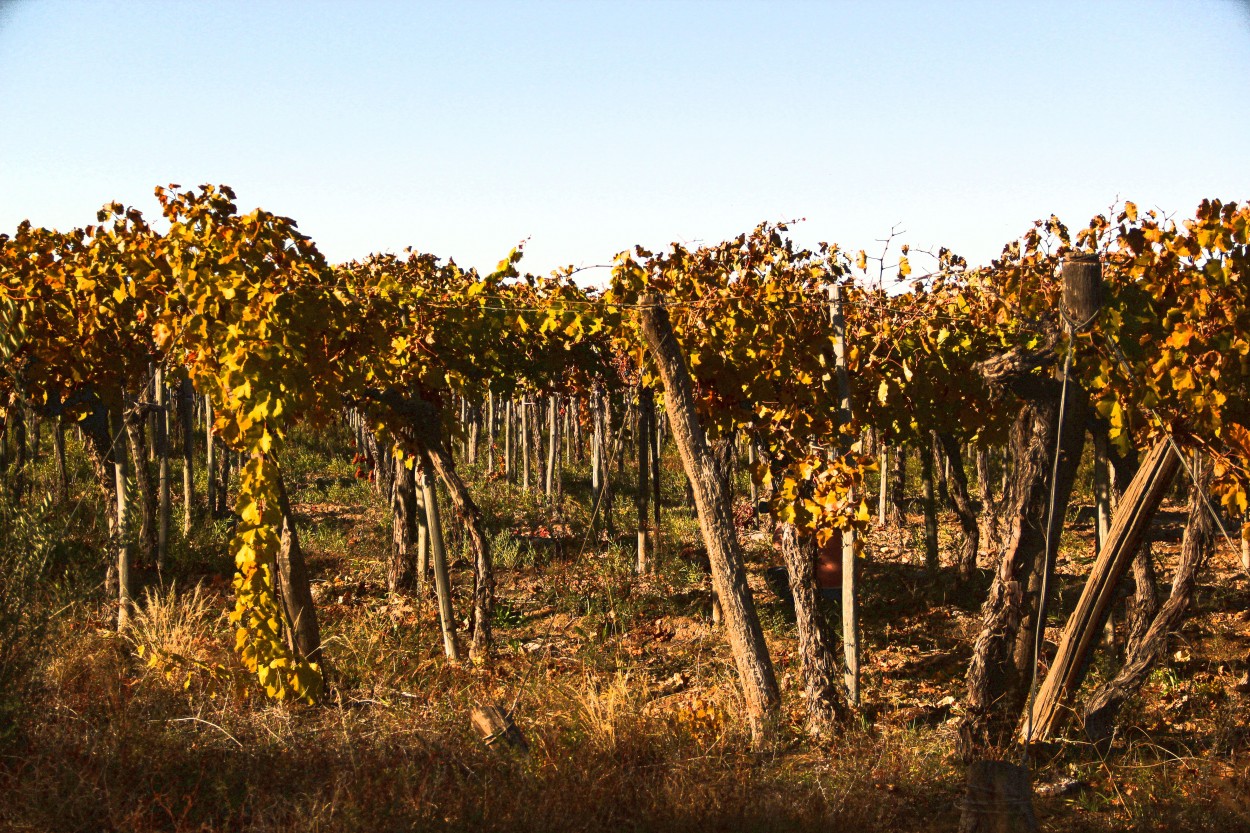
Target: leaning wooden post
850 592
1132 517
438 555
742 627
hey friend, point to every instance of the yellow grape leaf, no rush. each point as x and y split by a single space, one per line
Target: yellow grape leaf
1238 437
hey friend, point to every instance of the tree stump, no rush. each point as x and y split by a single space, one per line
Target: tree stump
999 799
495 725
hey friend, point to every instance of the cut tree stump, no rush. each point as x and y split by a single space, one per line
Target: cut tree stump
999 799
495 726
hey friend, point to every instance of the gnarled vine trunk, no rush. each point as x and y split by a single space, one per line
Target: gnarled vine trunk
966 561
817 652
1002 665
296 589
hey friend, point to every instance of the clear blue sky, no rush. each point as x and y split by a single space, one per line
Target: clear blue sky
462 128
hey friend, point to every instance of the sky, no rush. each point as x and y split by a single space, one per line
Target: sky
585 128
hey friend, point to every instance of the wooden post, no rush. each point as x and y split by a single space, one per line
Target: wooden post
162 450
187 412
509 471
124 589
442 583
755 496
1132 517
746 639
643 492
850 590
62 474
883 484
525 444
209 468
553 446
490 430
596 442
1103 705
1102 488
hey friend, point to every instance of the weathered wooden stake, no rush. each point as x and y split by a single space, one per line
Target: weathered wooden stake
442 583
1132 517
850 590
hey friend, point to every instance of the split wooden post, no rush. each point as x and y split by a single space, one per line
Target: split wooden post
850 592
1132 517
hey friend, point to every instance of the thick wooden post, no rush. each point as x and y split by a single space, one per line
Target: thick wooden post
1132 517
746 639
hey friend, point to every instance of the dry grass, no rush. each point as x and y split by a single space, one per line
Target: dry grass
624 692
